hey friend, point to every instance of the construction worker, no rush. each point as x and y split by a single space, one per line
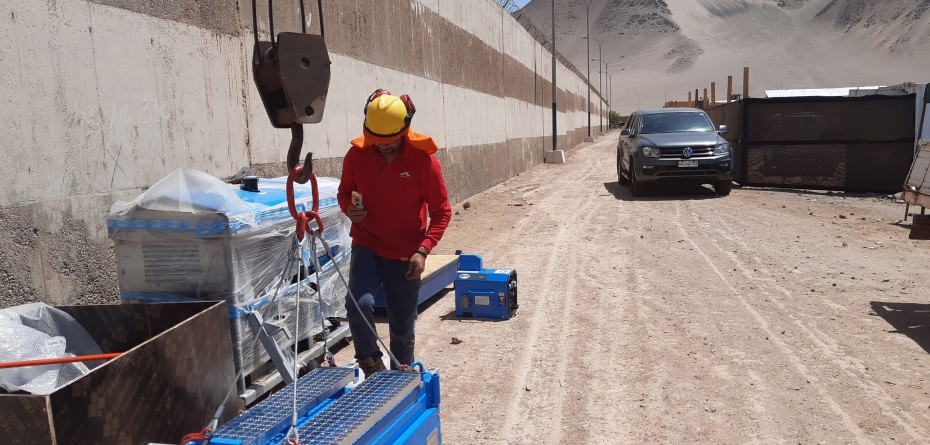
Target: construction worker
390 182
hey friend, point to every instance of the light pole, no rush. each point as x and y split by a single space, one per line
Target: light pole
610 102
602 69
610 92
555 133
600 57
587 15
606 67
555 156
636 92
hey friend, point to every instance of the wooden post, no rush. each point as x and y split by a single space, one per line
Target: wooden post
729 89
704 102
713 94
697 97
745 82
689 97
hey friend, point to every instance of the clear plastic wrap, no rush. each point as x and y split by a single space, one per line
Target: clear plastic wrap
37 331
190 191
192 236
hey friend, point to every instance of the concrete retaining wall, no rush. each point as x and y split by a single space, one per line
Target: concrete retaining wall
101 98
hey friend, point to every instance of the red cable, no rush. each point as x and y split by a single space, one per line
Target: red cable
200 437
57 361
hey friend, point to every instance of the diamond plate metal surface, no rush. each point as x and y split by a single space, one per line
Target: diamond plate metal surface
269 417
353 414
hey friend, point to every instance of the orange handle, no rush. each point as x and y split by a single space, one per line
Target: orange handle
58 361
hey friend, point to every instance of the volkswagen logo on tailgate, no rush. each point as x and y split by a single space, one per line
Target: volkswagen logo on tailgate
687 152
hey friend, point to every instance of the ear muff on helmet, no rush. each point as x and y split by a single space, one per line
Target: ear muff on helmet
378 93
408 105
411 110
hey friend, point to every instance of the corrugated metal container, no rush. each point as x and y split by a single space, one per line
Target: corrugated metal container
862 144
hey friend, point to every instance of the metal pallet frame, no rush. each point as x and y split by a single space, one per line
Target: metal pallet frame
262 384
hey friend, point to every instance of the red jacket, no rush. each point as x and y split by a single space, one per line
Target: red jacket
397 197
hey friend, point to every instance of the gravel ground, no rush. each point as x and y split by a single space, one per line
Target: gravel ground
768 316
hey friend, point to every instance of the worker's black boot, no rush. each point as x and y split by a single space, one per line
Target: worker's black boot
371 365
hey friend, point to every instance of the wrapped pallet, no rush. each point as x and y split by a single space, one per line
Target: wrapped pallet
192 236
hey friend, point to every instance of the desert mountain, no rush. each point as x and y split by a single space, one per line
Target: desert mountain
661 49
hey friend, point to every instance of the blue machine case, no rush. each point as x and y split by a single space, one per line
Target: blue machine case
484 293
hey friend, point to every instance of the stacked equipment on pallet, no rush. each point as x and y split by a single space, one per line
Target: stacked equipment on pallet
192 236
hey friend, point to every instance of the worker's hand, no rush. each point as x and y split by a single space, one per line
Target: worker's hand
356 214
416 266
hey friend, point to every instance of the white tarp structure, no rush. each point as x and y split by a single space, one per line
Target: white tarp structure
917 186
823 92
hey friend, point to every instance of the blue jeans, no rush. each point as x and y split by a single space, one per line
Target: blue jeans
368 272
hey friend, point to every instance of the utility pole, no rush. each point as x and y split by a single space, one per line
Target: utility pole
587 15
555 133
555 156
601 82
610 81
745 82
600 79
610 93
729 89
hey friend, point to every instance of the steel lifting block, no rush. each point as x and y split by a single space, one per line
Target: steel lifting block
292 77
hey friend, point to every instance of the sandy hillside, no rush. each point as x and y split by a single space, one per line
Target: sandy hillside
661 49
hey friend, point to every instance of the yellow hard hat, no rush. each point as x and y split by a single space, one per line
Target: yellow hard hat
387 115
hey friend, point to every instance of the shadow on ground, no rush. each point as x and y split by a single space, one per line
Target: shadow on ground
452 317
662 192
910 319
822 192
381 314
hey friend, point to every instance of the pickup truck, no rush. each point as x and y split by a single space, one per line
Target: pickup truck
673 144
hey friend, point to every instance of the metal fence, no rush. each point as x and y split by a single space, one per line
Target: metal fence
861 144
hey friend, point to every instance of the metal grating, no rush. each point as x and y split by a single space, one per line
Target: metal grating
261 422
697 152
172 260
348 418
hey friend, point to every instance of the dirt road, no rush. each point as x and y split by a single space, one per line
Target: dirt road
768 316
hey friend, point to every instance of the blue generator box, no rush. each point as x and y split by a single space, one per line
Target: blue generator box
484 293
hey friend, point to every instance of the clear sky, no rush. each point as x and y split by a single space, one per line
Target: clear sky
522 3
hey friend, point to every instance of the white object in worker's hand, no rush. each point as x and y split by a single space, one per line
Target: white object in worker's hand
357 200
